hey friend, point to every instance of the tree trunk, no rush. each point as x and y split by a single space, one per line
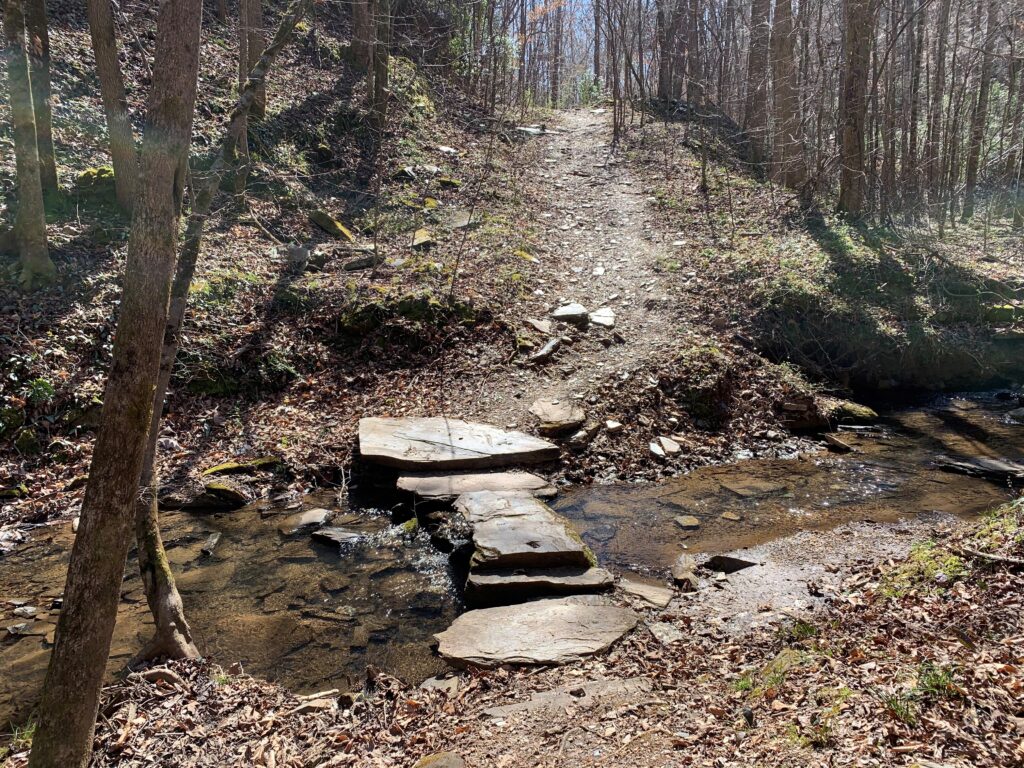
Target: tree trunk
172 636
979 116
67 712
241 159
556 60
256 43
788 149
860 24
362 35
115 103
39 64
30 223
755 112
933 142
381 64
661 31
222 11
694 69
597 42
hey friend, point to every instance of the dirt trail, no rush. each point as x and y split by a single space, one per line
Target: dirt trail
600 249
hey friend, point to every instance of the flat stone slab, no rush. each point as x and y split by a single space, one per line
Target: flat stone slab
752 488
652 594
508 586
585 695
554 631
441 443
515 530
311 518
337 535
428 485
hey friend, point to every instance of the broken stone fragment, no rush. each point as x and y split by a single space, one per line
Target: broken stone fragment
603 317
613 427
652 594
571 313
557 415
547 351
732 517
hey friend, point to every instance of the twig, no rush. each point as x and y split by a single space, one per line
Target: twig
986 556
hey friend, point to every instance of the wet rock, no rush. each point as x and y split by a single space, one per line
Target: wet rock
553 631
511 586
732 517
442 443
211 544
835 444
221 494
337 535
302 521
687 522
1016 415
752 487
604 317
515 530
441 760
571 313
450 486
652 594
727 564
993 469
557 415
206 578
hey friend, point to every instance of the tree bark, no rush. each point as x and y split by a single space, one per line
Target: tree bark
30 221
39 64
67 712
115 103
859 21
979 116
172 636
788 148
755 112
597 42
556 60
362 35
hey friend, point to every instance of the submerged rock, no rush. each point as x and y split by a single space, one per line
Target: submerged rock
553 631
311 518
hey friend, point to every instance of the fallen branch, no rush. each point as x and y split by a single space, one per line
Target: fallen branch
967 552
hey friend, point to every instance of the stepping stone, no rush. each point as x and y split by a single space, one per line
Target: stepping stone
515 530
653 595
554 631
557 415
687 522
442 443
605 317
311 518
448 487
510 586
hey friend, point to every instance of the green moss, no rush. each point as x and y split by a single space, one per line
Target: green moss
921 569
244 467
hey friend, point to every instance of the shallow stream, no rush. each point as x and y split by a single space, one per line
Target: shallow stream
312 615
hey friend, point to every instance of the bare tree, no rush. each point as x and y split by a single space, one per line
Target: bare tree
755 112
979 116
30 224
67 712
859 24
788 149
39 65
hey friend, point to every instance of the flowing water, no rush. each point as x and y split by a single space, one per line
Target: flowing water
312 615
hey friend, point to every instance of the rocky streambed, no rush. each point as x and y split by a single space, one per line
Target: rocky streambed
310 591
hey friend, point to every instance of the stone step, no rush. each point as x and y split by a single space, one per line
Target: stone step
513 586
447 487
516 530
439 443
553 631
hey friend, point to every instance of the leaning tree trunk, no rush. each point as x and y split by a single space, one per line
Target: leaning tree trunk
859 22
67 712
115 103
30 224
172 636
39 64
